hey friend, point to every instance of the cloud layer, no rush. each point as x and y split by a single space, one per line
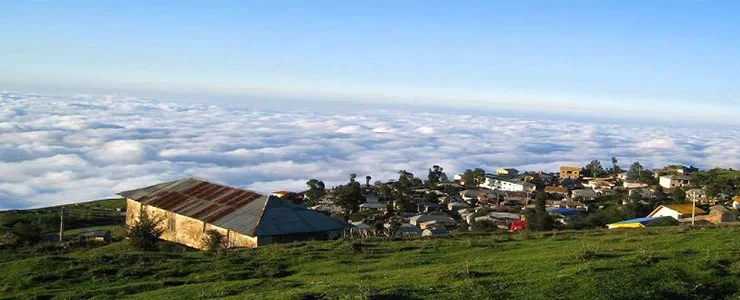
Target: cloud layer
59 150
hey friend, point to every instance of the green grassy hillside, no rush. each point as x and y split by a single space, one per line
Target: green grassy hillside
657 263
104 212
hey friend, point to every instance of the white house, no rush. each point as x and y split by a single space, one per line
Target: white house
672 181
496 183
679 212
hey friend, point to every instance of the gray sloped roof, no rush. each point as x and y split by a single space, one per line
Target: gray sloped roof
236 209
281 218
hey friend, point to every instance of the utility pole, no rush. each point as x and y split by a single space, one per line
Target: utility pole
693 210
61 224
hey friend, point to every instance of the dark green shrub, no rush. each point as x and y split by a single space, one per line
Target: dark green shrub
214 241
145 232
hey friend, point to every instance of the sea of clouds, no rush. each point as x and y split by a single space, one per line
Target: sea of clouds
56 150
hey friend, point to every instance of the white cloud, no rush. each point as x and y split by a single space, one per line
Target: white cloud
123 151
425 130
58 150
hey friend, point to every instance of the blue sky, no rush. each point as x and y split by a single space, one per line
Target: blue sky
615 59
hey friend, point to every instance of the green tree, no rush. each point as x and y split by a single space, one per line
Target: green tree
316 190
475 177
435 176
635 171
594 169
144 233
214 241
27 232
350 195
384 190
660 196
615 167
405 179
678 195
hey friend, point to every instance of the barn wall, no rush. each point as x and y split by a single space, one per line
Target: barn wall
185 230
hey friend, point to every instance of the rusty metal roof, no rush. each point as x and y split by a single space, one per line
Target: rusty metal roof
240 210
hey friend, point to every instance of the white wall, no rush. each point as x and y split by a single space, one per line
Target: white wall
665 212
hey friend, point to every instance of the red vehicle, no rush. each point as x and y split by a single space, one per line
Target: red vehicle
517 226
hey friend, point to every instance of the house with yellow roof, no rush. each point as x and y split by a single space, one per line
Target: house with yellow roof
681 212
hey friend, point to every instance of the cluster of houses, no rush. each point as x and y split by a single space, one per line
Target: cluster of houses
189 207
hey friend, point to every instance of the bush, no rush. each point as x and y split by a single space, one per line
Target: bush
27 232
145 232
587 253
484 226
214 241
8 239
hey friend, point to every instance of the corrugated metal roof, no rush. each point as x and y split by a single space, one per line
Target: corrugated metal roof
240 210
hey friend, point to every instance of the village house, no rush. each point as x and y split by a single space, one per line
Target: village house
373 206
556 191
440 219
103 236
599 184
720 214
680 212
672 181
189 207
587 194
501 219
570 172
522 198
497 183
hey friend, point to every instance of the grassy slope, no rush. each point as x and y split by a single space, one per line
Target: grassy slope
80 215
661 263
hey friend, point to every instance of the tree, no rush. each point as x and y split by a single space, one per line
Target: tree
27 232
214 241
678 195
350 195
474 177
405 179
431 197
538 219
541 199
293 198
538 182
615 167
316 190
635 171
384 190
660 196
594 169
144 233
436 175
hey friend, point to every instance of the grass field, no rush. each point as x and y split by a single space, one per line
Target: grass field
656 263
